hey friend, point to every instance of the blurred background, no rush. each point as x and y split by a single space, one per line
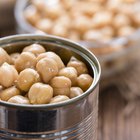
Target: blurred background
108 28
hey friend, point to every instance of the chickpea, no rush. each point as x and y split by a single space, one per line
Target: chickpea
61 85
93 35
69 72
53 56
6 94
44 25
126 31
59 98
78 65
75 91
18 99
54 11
8 74
4 57
59 30
31 14
36 49
47 68
82 24
25 60
102 18
27 78
14 56
84 81
39 4
1 87
121 20
40 93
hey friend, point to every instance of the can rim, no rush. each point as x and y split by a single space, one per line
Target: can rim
90 56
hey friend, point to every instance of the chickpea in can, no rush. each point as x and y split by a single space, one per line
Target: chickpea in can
36 76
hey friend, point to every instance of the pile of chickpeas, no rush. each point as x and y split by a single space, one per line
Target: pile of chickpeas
90 20
35 76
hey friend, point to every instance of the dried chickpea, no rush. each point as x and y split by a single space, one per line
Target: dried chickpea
7 93
75 91
14 56
4 57
39 4
47 68
61 85
92 35
31 14
36 49
8 74
82 24
121 20
84 81
54 11
27 78
53 56
69 72
59 98
78 65
126 31
40 93
102 18
44 25
59 30
25 60
18 99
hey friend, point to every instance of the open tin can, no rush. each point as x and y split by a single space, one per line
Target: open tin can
76 119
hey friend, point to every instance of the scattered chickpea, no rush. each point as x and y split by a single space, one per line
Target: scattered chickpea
27 78
18 99
8 75
40 93
53 56
61 85
25 60
4 57
6 94
78 65
47 68
59 98
36 49
69 72
84 81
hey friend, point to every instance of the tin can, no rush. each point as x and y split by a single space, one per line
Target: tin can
76 119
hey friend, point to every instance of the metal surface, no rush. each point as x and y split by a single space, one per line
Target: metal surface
75 119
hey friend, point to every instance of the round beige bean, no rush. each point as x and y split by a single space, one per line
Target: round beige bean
75 91
27 78
36 49
6 94
69 72
8 75
4 57
14 56
18 99
84 81
78 65
61 85
25 60
53 56
40 93
59 98
31 14
47 68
